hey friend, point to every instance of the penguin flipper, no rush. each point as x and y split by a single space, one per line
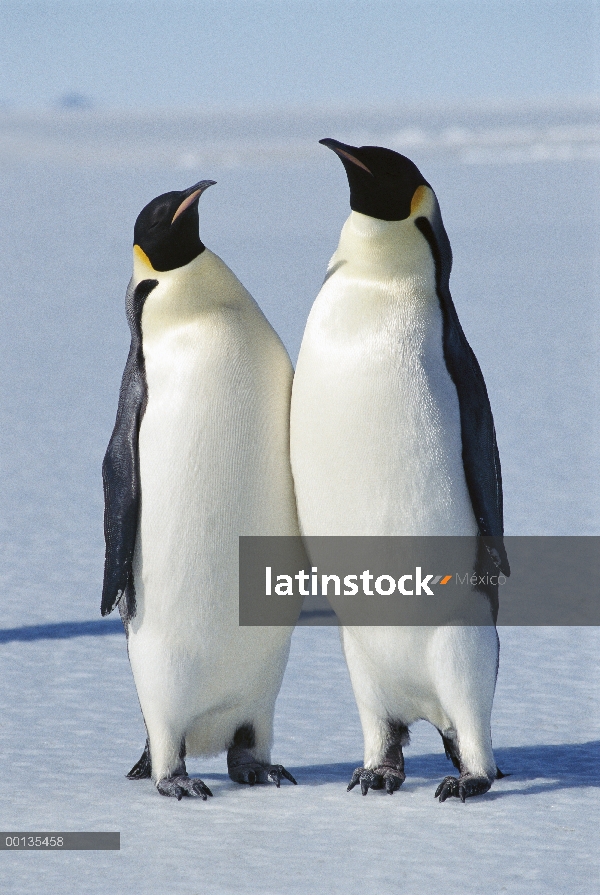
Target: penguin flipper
121 466
480 455
142 769
451 751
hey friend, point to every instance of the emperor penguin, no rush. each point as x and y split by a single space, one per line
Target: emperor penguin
392 434
199 455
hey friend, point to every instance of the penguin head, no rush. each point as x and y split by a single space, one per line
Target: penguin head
382 182
166 230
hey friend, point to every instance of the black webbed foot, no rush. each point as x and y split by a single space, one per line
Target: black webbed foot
242 765
462 787
254 771
142 769
389 779
244 773
182 785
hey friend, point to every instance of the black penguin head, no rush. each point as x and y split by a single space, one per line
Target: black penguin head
167 228
382 182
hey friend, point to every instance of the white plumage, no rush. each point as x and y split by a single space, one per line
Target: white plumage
376 450
214 464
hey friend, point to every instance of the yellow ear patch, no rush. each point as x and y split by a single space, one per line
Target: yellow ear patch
419 196
141 257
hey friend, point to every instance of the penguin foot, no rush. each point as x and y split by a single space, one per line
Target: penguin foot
389 779
182 785
256 772
243 767
276 771
142 769
462 787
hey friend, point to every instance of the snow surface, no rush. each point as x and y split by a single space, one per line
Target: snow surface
525 241
71 728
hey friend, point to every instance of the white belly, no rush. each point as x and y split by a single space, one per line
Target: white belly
214 465
376 449
375 425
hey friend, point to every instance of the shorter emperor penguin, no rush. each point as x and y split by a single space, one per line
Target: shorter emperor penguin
199 455
392 434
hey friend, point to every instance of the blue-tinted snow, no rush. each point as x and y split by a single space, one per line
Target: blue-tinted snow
71 728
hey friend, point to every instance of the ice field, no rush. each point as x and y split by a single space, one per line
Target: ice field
519 194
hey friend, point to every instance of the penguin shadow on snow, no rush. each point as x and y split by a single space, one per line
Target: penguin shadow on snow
548 767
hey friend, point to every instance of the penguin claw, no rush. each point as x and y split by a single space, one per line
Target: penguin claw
462 787
261 773
448 787
392 783
378 778
182 785
276 772
366 778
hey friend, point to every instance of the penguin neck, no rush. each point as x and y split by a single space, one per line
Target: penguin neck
187 293
143 269
205 272
362 226
383 250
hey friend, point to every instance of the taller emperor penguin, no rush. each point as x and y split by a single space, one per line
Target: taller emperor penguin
199 455
392 434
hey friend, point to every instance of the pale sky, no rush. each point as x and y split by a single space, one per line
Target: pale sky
147 54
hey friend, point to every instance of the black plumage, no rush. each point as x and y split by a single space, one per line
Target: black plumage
121 467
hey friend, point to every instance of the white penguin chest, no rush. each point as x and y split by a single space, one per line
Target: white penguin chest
193 418
376 439
213 441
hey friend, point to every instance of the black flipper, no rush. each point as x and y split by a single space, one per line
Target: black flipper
451 751
121 466
142 769
481 460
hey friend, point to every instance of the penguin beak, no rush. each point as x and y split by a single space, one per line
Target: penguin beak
193 194
344 152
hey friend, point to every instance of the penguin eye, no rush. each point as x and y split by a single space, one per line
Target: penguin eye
157 223
158 218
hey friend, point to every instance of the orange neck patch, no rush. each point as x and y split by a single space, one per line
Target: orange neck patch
140 255
419 195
